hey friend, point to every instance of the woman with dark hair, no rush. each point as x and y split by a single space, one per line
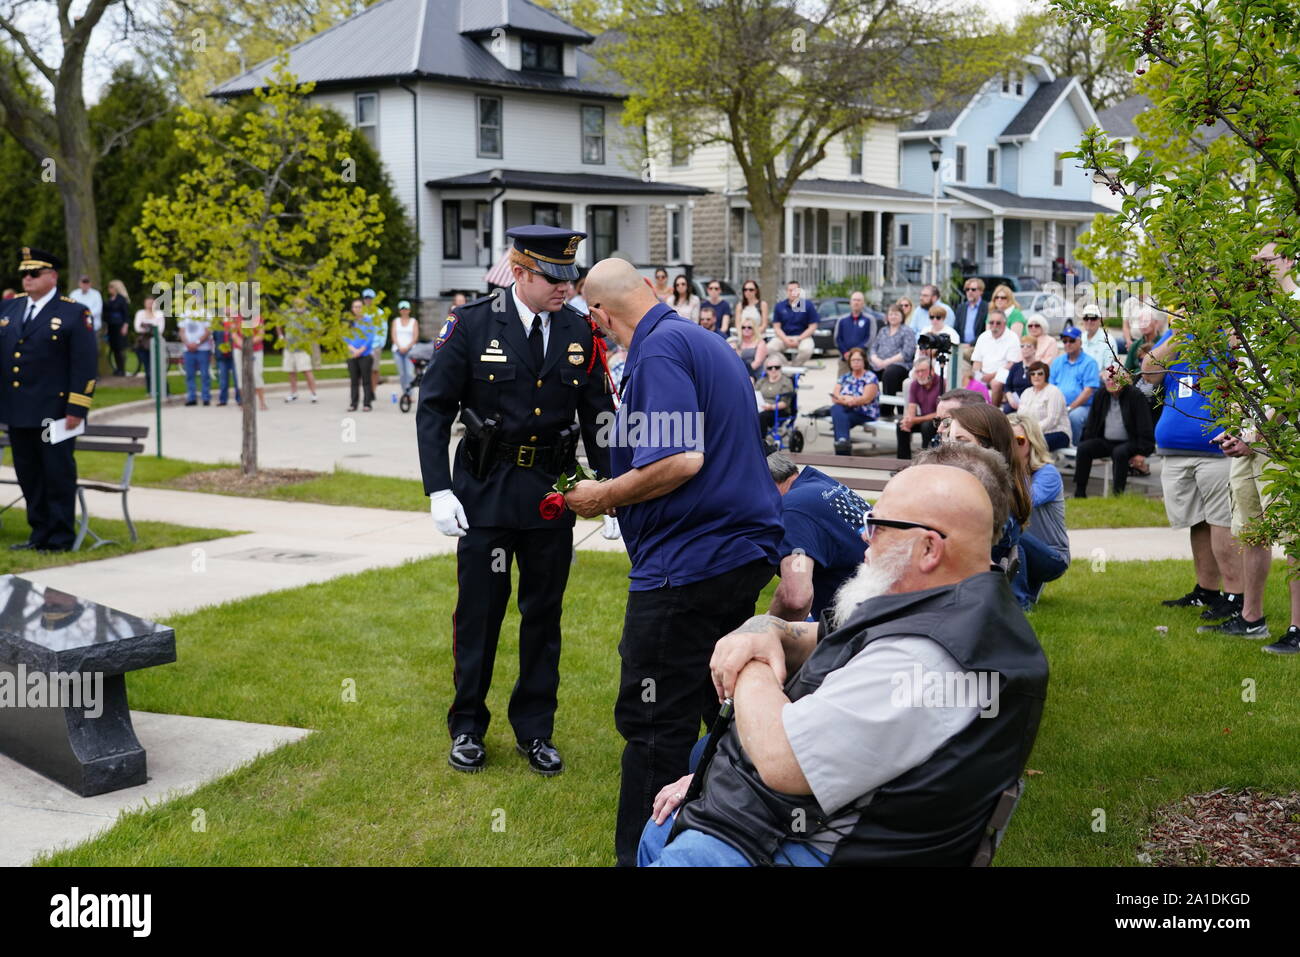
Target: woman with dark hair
751 306
117 322
985 426
684 302
1118 426
1046 403
663 291
892 352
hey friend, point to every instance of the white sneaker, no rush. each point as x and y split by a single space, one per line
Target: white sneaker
313 396
291 397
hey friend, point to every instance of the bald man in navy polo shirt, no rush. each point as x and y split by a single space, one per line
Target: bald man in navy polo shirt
700 517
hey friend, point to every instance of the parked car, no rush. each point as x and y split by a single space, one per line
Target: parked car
1049 305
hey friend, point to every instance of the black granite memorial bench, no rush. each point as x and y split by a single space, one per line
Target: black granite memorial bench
123 439
63 668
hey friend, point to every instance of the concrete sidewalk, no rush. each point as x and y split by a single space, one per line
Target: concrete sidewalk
290 544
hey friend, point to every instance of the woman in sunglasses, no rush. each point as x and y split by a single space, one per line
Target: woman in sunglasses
684 302
752 307
1046 348
1046 403
1005 299
663 291
752 348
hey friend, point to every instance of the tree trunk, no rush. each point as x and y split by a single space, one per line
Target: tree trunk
248 450
769 228
75 180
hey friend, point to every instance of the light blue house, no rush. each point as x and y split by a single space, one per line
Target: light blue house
1019 207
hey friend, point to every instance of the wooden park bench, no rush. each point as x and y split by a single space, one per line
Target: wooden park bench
79 733
124 439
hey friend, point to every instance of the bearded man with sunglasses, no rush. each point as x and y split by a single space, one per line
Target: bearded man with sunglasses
518 366
50 353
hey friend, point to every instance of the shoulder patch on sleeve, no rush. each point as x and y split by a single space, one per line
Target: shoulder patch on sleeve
448 328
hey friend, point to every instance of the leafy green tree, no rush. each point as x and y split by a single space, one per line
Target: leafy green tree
1199 209
777 85
270 204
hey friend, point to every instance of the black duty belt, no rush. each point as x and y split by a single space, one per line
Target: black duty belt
544 457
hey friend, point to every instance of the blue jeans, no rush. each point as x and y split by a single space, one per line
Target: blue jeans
1077 418
1038 566
844 418
697 849
404 373
226 378
196 364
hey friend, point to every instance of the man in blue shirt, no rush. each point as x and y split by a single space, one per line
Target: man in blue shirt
795 321
709 319
700 518
857 330
823 546
973 313
721 308
1077 376
1194 479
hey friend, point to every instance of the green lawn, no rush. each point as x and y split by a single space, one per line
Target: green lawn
1134 720
1130 510
152 535
116 395
334 488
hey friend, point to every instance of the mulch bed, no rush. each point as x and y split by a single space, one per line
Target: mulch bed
234 480
1227 829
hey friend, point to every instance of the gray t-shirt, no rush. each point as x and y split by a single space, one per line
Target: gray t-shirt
869 722
1114 430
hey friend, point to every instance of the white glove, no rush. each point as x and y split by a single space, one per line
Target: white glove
448 514
610 531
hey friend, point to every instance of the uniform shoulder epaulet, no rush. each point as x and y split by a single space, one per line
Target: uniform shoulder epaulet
66 299
488 298
20 295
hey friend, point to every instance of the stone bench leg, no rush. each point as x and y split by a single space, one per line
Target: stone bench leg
86 755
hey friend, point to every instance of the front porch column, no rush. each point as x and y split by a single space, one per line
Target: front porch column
688 231
997 245
875 233
1051 243
579 222
498 229
789 230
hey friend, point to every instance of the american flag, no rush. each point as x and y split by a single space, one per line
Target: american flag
500 275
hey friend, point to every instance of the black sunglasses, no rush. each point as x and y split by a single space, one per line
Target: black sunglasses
551 279
30 273
871 524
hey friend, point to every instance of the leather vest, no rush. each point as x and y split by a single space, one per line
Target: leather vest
936 812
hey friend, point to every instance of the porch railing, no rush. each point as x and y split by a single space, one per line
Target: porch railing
810 270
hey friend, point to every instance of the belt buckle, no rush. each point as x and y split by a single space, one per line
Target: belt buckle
524 457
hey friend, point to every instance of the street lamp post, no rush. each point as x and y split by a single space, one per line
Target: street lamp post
936 154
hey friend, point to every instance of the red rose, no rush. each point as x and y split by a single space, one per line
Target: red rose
552 506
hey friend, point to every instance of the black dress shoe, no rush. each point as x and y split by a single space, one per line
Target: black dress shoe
467 753
542 756
21 546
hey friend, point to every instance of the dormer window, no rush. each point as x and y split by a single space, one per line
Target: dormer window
542 56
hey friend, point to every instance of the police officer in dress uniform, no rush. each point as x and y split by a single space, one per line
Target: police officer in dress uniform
50 355
517 365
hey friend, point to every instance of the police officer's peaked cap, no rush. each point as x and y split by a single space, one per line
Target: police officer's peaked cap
29 257
554 249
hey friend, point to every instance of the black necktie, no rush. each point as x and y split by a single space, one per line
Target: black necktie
535 343
27 319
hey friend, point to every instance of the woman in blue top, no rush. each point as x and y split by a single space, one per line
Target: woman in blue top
360 341
1044 553
856 400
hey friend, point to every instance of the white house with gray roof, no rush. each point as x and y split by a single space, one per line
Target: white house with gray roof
487 114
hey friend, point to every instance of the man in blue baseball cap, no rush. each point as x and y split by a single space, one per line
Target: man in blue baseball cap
1077 376
518 366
